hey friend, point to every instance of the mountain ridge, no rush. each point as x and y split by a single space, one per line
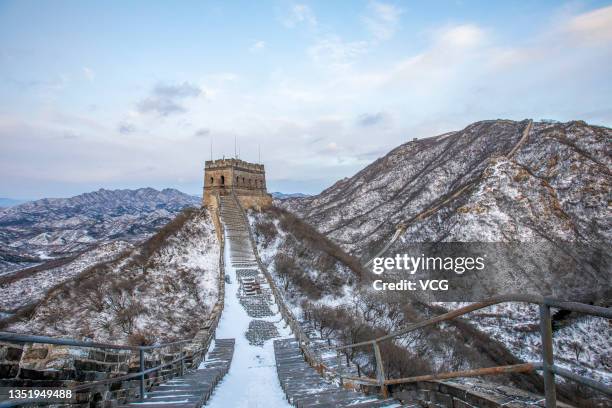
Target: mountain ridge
494 181
57 227
6 202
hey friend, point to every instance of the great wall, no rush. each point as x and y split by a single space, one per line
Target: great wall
309 372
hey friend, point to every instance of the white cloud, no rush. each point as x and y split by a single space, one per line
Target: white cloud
257 46
221 77
332 147
125 128
89 73
167 99
383 20
451 49
460 36
323 117
299 14
593 27
335 52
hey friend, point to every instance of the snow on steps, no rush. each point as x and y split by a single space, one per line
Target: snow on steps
194 388
304 387
241 250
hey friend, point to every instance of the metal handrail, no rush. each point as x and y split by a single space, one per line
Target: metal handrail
547 365
533 299
8 404
24 338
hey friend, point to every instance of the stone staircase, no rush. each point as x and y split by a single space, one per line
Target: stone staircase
304 387
237 232
193 389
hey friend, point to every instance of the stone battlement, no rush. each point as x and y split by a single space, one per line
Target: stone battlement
234 163
234 176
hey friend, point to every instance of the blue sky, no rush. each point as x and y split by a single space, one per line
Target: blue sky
131 94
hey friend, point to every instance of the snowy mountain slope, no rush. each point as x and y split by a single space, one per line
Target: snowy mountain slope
495 181
24 288
301 257
465 186
34 231
333 300
557 184
160 290
282 196
331 295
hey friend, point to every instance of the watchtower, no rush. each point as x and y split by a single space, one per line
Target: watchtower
246 180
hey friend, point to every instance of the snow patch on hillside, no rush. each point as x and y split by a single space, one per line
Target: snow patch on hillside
580 343
163 297
31 289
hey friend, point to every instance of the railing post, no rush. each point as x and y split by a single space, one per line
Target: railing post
142 376
380 370
339 362
547 356
182 362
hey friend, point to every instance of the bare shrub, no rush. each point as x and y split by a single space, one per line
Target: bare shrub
140 338
399 362
267 230
290 273
306 233
153 244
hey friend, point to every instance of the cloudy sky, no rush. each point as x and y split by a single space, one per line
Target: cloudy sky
131 94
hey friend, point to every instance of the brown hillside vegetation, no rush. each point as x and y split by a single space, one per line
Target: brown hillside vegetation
341 308
155 289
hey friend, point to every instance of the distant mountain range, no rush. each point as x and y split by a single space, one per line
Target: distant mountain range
10 202
57 227
282 196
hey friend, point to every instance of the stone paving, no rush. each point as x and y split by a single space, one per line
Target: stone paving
255 294
256 306
260 331
247 273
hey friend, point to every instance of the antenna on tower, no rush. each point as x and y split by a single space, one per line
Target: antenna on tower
259 153
211 156
235 146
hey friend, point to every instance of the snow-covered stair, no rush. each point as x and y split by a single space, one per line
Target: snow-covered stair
237 232
304 387
194 388
251 317
251 311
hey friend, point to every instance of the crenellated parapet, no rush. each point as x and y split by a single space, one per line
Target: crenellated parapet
246 180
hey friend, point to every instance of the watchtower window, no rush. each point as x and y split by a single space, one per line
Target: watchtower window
237 180
222 180
212 180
